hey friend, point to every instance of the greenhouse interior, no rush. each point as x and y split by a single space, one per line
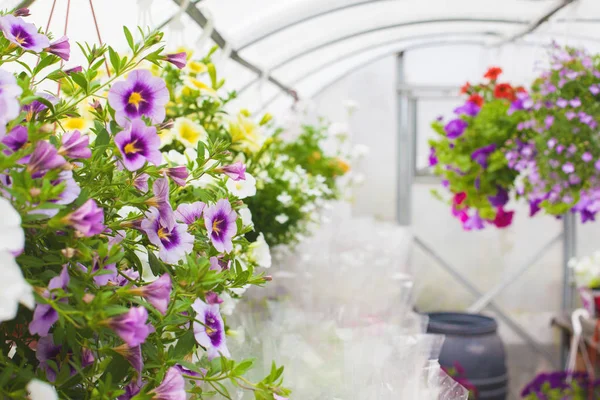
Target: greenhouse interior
299 199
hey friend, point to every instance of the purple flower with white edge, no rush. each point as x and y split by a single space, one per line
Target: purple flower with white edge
87 219
568 168
455 128
189 212
44 158
139 143
75 145
177 59
23 34
236 171
131 326
469 108
219 220
141 94
209 330
157 293
172 386
44 315
501 197
16 139
173 240
481 155
61 48
587 157
179 174
9 103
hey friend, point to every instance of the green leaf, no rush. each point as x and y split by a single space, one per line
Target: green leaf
118 369
80 80
184 346
102 138
243 367
155 264
115 61
45 62
129 38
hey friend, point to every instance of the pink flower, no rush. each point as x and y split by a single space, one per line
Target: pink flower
131 326
177 59
75 145
60 48
158 293
171 388
87 219
236 171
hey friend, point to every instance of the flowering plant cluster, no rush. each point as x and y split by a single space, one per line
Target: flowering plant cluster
561 385
470 152
558 153
586 271
295 179
283 183
122 257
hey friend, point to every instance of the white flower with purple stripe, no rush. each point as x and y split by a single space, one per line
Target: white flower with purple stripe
141 94
209 329
219 220
172 239
23 34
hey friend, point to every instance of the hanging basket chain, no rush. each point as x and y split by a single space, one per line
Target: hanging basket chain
99 37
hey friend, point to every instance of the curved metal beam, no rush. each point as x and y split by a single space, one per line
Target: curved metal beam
371 47
393 26
280 28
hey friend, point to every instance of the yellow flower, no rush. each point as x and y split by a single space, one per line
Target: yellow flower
82 123
188 132
196 84
197 67
245 133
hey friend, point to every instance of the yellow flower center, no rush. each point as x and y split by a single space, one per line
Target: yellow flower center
130 148
215 226
190 134
162 233
75 123
135 98
19 39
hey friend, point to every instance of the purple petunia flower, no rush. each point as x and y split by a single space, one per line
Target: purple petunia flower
473 223
469 108
455 128
109 272
548 121
219 220
523 102
177 59
210 329
570 115
131 326
46 351
157 293
15 139
130 273
551 143
595 89
23 34
212 298
562 103
575 102
133 355
73 70
217 264
37 106
432 157
189 212
138 143
160 200
44 315
140 182
75 145
568 168
69 194
44 158
189 372
501 197
173 240
87 219
179 174
236 171
587 157
141 94
9 103
172 386
22 12
61 48
481 155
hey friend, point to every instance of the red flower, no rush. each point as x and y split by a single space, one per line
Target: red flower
459 198
521 89
493 73
504 91
477 99
503 218
465 88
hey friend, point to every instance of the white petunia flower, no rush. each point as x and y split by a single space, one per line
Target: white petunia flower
228 304
14 289
285 199
282 218
242 189
246 216
338 129
12 238
359 151
39 390
261 254
166 137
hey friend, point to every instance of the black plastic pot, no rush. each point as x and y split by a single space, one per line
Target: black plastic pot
472 342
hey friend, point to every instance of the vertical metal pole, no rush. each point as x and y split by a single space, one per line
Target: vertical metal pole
405 149
569 251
